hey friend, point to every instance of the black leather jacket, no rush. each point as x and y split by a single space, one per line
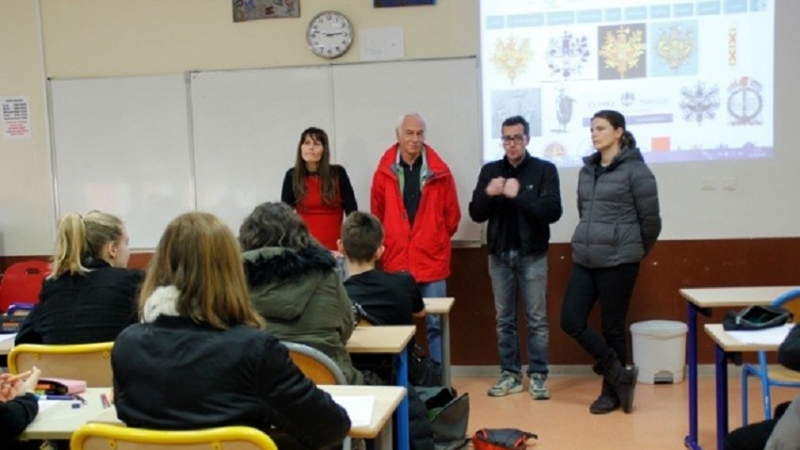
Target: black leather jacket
176 374
538 204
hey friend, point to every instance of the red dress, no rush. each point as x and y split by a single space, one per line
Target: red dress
324 221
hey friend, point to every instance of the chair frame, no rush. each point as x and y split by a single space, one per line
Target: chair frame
761 371
305 356
302 355
54 361
220 438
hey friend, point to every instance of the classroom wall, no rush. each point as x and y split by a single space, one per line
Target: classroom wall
757 242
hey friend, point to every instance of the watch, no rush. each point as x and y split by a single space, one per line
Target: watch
329 34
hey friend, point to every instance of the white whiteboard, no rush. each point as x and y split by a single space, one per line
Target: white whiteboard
246 126
121 145
369 100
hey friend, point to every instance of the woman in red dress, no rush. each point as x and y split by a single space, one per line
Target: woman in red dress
321 193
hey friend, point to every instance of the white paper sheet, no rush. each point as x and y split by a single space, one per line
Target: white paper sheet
380 44
770 336
7 337
46 404
358 407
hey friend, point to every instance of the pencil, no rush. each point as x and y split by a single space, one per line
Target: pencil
17 376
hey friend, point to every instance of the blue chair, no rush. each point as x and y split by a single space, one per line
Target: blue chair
777 376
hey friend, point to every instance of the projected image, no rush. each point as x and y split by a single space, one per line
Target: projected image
569 55
622 52
674 49
694 79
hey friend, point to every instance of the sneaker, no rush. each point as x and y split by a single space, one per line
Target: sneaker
537 388
509 383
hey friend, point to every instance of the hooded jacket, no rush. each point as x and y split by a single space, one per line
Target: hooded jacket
424 249
302 300
618 209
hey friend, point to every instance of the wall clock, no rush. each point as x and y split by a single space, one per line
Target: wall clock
329 34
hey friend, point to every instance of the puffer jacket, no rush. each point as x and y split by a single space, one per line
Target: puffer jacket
618 209
302 300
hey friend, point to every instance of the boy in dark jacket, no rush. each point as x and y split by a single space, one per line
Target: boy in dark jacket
389 298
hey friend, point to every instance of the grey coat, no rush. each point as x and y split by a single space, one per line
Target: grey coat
618 209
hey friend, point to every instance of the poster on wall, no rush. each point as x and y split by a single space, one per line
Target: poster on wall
244 10
393 3
15 119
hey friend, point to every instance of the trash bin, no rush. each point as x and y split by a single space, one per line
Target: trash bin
659 349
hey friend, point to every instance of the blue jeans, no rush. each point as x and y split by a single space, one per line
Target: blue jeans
434 323
511 273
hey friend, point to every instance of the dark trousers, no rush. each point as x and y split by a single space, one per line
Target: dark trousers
755 435
612 288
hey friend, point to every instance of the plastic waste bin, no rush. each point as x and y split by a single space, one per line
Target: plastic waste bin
659 349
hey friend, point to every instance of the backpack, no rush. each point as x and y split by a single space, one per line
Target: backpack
501 439
449 414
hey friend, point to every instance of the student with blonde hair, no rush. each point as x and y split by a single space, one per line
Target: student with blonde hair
90 295
200 358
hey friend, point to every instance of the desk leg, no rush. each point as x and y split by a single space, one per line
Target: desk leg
446 350
385 438
403 431
690 441
721 375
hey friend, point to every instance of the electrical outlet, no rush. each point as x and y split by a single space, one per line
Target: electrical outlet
709 184
729 184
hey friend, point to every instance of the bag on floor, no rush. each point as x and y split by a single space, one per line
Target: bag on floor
422 370
501 439
449 416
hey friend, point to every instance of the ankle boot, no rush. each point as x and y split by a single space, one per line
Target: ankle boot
622 379
606 402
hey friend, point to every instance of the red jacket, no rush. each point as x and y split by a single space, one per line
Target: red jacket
423 250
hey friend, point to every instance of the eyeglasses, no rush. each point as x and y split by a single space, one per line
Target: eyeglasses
517 139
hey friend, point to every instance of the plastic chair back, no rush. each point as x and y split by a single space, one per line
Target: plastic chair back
90 362
96 436
22 282
314 364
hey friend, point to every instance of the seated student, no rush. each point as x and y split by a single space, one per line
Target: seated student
200 358
785 425
89 295
389 299
18 408
294 286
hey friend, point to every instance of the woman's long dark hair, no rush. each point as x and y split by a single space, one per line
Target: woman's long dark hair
325 171
617 120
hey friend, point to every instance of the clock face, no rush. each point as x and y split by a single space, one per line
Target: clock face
329 34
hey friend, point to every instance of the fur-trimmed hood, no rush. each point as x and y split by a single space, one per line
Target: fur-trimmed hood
282 281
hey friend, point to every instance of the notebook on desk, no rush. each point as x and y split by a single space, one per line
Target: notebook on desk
768 336
358 407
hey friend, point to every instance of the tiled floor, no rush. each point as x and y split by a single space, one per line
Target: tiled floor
659 419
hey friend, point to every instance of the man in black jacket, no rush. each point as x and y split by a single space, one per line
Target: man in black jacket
520 197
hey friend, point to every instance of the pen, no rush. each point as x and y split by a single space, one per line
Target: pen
57 397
